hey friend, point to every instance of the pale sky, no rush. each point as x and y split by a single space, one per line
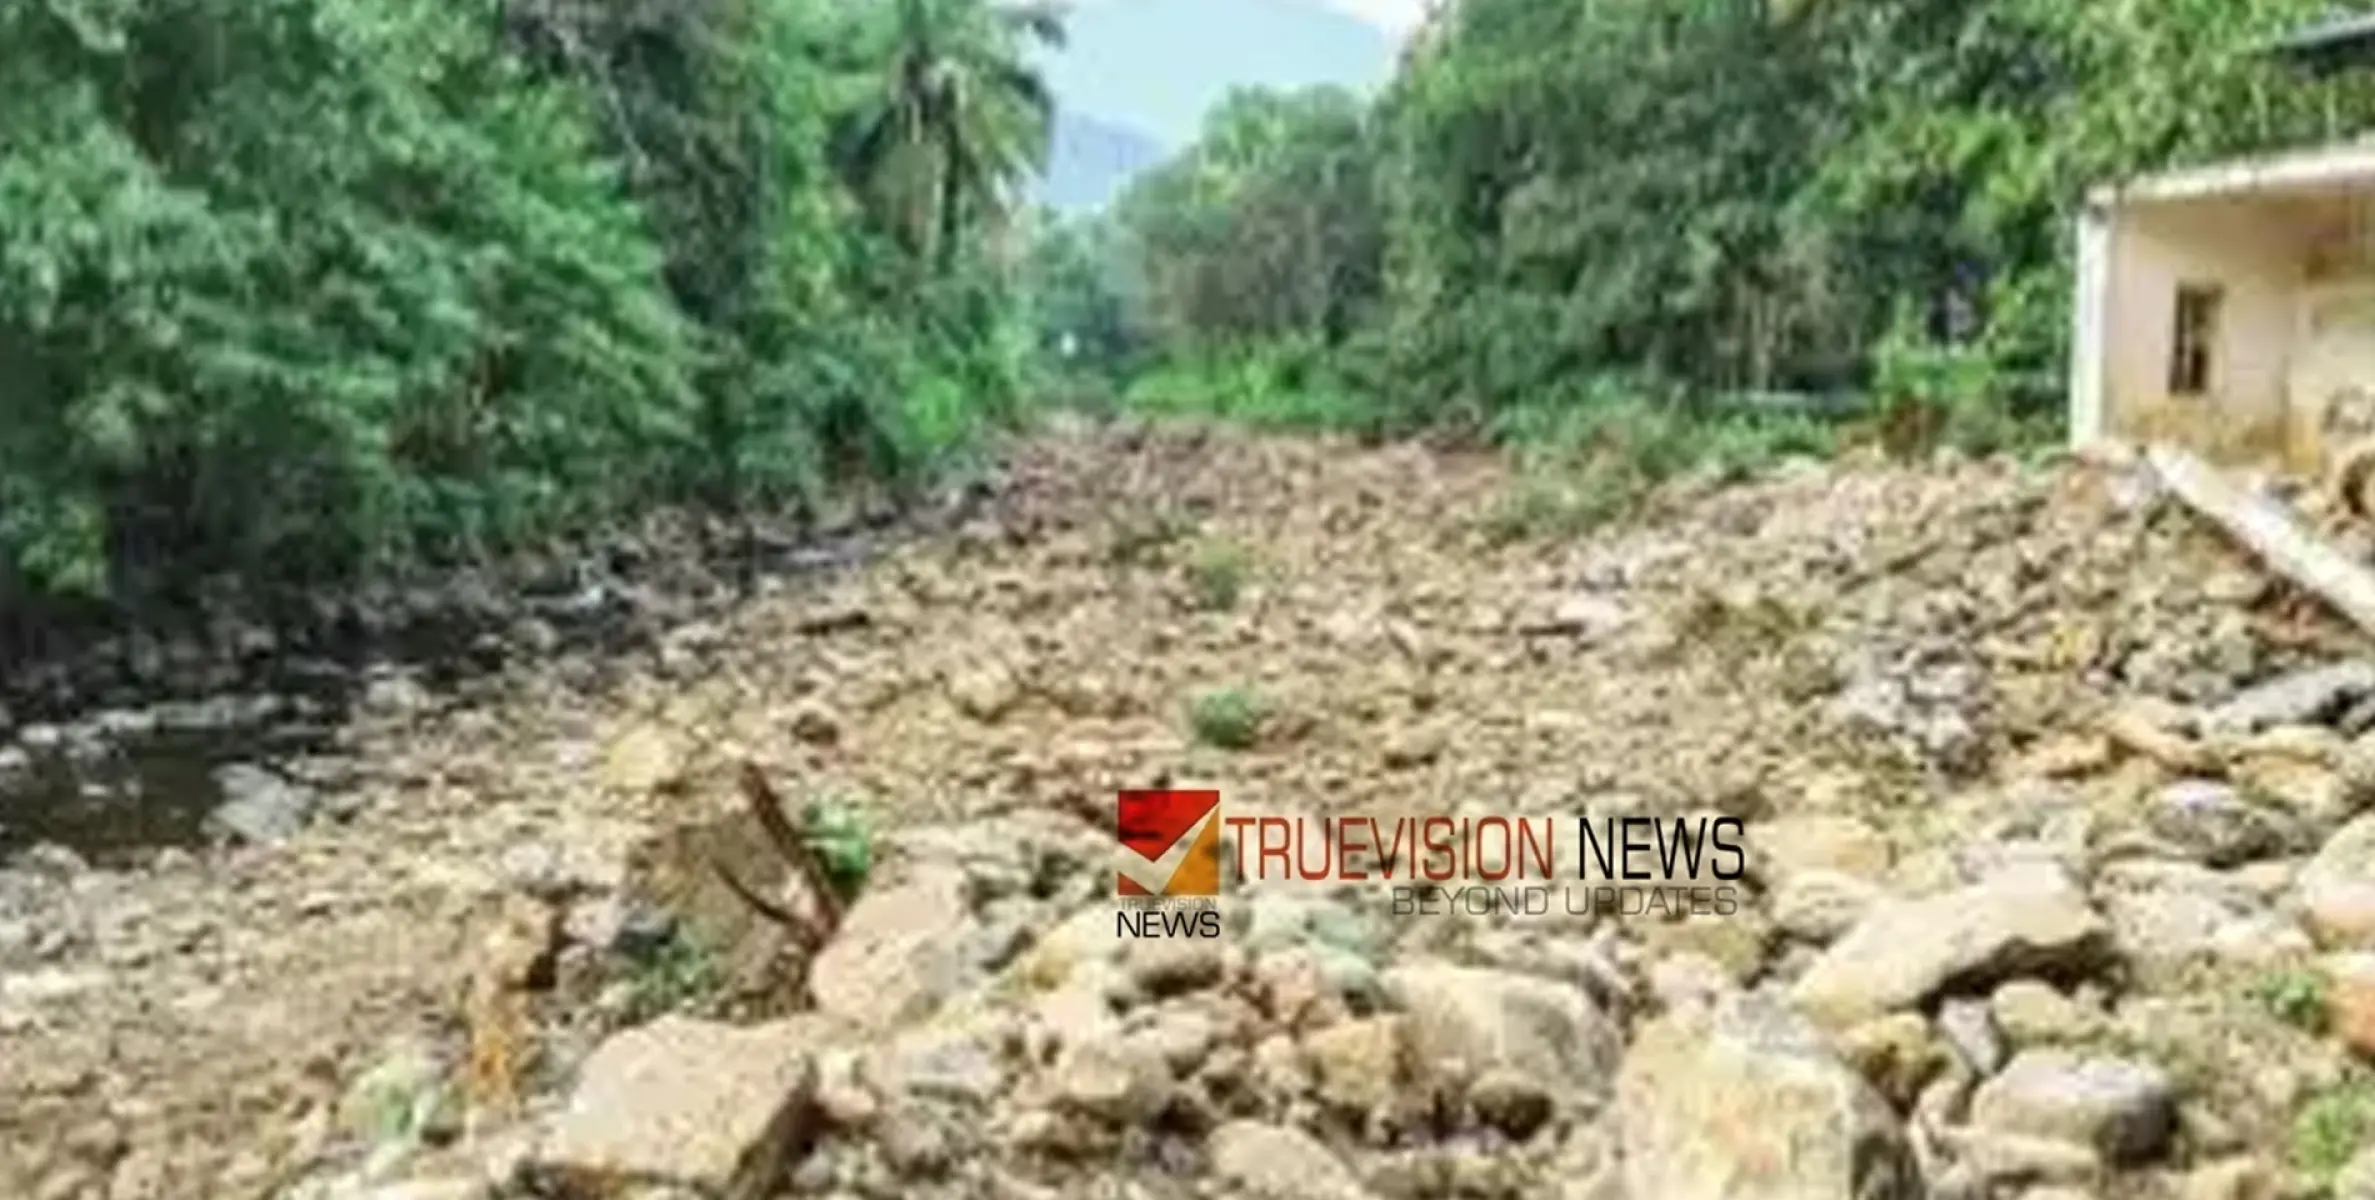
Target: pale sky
1396 17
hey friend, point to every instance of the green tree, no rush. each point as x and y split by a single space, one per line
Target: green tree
1077 284
1965 133
1718 196
310 283
1267 228
295 289
956 118
1586 190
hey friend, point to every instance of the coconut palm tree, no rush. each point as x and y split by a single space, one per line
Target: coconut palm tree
954 120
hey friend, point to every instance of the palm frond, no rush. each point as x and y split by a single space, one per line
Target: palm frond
1025 86
1041 20
869 141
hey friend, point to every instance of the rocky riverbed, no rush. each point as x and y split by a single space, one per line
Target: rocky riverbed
223 723
2062 871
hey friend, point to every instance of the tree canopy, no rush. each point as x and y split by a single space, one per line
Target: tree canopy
327 284
1698 199
305 288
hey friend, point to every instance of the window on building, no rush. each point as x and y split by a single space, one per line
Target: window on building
2196 336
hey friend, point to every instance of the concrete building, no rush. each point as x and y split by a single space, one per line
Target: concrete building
2231 308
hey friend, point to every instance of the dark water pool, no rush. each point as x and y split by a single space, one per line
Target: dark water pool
120 785
115 798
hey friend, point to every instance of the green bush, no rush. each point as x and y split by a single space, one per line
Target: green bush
2296 996
841 840
1217 575
2329 1130
671 974
1550 506
1229 718
1284 388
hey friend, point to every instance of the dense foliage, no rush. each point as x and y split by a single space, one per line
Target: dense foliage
307 287
1683 205
303 288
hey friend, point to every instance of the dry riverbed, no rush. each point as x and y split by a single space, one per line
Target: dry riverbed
2062 880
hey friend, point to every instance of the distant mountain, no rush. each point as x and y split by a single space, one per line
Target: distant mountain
1089 161
1136 76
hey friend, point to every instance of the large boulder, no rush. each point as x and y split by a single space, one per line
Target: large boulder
2337 888
684 1103
901 952
2168 917
1463 1022
2123 1111
1746 1101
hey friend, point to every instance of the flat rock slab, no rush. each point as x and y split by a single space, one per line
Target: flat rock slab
1793 846
684 1103
2028 919
1279 1162
902 950
2310 697
2124 1111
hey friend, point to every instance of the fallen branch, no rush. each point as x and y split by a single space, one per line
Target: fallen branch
840 620
2263 527
793 848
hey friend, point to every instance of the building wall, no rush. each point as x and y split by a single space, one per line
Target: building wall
2089 336
2333 382
2257 252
